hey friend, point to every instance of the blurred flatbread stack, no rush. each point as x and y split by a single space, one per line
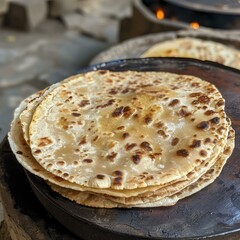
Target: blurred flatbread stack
196 48
124 139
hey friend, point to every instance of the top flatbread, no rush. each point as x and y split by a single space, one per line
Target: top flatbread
128 130
196 48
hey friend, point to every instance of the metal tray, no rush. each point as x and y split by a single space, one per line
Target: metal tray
212 6
208 214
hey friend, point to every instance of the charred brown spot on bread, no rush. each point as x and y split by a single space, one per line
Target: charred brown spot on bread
70 178
146 146
19 152
135 115
145 85
211 89
160 95
196 94
118 173
214 141
148 119
157 154
174 102
198 161
84 103
82 141
65 174
61 163
111 156
195 143
149 177
207 140
75 162
80 123
195 84
111 144
194 102
87 160
175 141
141 176
215 120
229 121
183 112
117 181
204 99
49 165
136 159
220 130
204 125
220 103
95 138
120 128
59 172
58 179
158 125
102 71
37 151
126 90
125 135
152 156
109 103
227 150
118 112
182 153
127 111
44 142
162 133
189 175
113 91
210 171
33 99
100 176
130 146
203 153
209 112
76 114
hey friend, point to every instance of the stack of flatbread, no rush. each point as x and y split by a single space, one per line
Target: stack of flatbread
124 139
196 48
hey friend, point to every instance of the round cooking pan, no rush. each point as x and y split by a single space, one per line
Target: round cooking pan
208 214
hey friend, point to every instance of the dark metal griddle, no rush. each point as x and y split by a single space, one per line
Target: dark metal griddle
209 214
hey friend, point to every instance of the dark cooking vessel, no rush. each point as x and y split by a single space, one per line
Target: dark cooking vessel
212 212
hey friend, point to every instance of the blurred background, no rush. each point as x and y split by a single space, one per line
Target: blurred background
42 42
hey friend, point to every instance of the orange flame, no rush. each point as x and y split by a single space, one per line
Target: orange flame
194 25
160 14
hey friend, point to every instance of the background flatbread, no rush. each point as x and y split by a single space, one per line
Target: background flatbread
196 48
